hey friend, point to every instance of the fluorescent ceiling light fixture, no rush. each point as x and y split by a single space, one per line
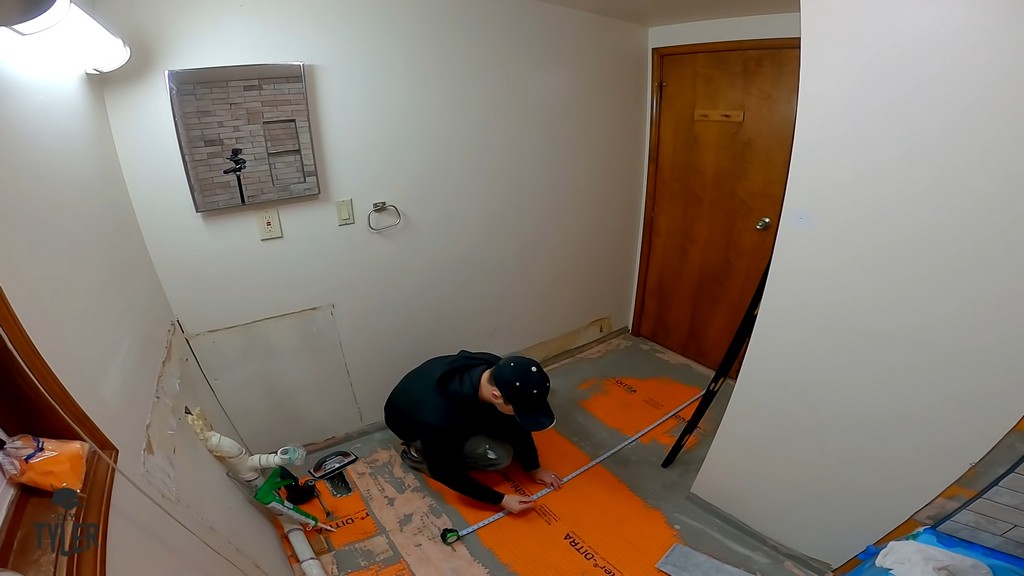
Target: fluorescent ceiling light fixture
79 36
99 50
48 19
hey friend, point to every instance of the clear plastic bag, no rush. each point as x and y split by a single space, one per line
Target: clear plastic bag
44 463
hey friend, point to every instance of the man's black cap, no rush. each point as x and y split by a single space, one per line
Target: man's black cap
525 386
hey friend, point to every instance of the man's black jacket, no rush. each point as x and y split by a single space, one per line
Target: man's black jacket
438 404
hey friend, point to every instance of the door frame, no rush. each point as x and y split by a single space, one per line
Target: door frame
46 408
657 57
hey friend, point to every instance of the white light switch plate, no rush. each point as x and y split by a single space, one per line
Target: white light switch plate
270 224
345 214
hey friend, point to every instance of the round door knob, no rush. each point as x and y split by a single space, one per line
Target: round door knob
763 223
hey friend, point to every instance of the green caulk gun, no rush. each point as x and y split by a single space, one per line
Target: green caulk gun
267 494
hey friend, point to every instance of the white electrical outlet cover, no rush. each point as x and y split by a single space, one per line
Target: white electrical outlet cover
270 224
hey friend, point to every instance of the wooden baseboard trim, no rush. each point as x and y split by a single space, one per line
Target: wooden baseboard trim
566 355
544 351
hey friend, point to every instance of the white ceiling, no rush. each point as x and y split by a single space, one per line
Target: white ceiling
662 12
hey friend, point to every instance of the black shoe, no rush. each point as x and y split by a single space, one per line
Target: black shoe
413 460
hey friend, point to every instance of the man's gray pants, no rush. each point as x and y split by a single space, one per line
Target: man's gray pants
478 453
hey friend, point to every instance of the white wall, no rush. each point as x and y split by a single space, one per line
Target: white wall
74 265
886 355
724 30
510 134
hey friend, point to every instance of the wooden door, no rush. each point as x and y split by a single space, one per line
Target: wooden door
720 147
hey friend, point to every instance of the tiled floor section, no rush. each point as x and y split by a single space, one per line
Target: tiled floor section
616 519
996 519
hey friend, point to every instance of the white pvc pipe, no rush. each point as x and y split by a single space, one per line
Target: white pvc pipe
236 457
248 468
308 561
261 461
220 445
245 466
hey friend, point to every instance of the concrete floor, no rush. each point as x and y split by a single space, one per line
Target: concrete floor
697 524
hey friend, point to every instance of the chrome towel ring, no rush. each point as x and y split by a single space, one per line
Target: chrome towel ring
382 207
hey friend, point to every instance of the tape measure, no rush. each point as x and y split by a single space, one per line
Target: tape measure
451 536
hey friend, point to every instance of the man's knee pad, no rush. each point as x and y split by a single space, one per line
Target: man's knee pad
487 454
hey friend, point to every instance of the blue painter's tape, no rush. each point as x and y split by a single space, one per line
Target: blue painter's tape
1000 563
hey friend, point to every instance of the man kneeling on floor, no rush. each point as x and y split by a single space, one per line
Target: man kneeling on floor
473 410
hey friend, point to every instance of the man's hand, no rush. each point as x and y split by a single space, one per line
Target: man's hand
516 504
547 478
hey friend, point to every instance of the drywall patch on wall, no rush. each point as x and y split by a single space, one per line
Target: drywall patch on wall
282 380
158 449
180 383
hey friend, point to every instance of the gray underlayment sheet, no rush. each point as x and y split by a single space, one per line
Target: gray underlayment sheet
683 561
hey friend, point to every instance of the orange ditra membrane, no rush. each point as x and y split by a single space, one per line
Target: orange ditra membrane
351 521
576 530
594 525
44 463
631 404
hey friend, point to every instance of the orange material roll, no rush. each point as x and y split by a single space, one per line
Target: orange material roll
44 463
